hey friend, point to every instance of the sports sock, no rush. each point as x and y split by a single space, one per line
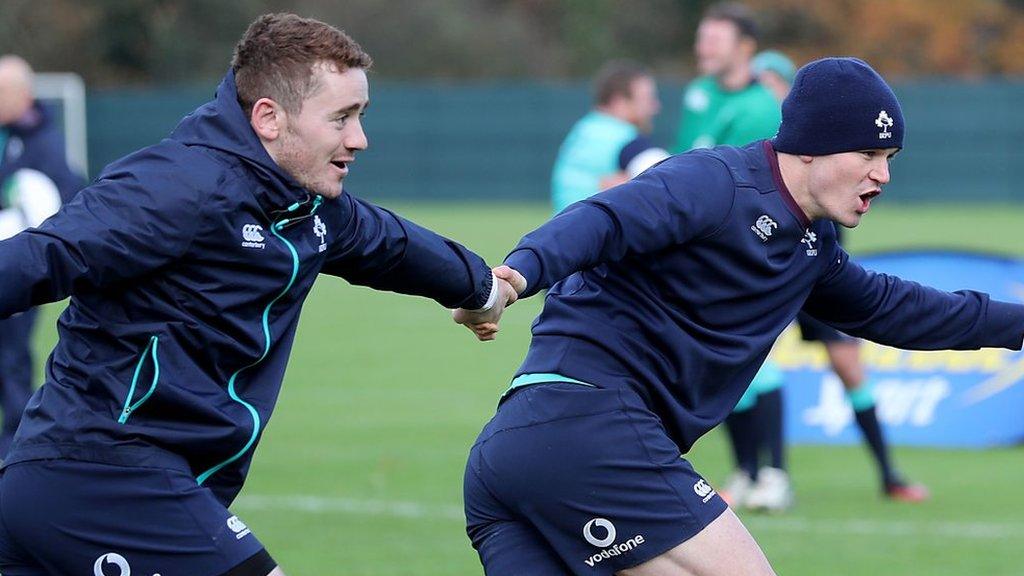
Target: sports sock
863 403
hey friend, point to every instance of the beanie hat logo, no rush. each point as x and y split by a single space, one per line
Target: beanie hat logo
884 122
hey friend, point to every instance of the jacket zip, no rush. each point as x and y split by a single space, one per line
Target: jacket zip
129 408
275 230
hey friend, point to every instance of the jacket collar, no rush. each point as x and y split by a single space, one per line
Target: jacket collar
221 125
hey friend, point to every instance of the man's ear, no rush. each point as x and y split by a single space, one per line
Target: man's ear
267 119
806 159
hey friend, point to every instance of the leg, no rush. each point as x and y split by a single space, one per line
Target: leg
742 428
772 491
771 424
845 358
768 414
724 548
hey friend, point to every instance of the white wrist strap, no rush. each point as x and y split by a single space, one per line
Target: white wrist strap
493 298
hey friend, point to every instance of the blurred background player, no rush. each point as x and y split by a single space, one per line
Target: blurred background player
34 178
610 144
775 71
726 105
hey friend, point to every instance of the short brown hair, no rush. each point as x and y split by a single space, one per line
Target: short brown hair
616 78
275 58
739 14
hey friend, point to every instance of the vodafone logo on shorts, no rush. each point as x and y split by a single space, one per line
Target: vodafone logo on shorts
119 565
609 528
600 532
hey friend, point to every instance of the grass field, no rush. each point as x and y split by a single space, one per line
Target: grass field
360 471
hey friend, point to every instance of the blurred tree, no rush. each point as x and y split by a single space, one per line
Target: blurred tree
963 38
136 41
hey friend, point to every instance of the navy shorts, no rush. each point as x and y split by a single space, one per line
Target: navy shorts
814 330
70 517
570 479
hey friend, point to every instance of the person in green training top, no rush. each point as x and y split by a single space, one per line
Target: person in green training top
609 145
726 105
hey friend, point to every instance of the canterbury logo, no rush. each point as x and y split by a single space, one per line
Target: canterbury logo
704 490
252 236
764 226
252 233
238 527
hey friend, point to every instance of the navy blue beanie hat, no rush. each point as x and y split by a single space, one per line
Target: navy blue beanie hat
839 105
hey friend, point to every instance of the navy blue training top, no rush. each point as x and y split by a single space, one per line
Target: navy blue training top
678 283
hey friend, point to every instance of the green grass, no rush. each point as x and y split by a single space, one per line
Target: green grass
384 395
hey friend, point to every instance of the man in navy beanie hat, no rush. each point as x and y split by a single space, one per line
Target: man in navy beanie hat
666 294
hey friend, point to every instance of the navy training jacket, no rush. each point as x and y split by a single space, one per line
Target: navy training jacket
677 284
187 264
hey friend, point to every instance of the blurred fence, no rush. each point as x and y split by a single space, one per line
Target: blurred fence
498 140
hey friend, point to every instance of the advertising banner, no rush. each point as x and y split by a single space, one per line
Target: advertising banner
950 399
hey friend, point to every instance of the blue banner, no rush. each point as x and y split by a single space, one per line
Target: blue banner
951 399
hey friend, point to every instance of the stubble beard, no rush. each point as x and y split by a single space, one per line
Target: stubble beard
291 160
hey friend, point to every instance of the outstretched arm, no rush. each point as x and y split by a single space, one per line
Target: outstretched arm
905 314
382 250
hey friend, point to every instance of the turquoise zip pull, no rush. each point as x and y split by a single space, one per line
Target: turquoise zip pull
128 409
295 206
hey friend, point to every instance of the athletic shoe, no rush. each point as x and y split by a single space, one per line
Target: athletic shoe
772 492
901 491
736 489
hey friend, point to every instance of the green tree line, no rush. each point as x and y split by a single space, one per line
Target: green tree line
117 42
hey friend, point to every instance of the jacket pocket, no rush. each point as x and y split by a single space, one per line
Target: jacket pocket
130 407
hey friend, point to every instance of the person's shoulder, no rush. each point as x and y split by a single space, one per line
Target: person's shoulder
169 167
704 165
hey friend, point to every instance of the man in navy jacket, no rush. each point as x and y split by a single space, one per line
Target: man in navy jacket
34 179
666 295
187 263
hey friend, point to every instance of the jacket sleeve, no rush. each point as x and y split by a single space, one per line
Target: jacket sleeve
134 219
905 314
683 198
382 250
